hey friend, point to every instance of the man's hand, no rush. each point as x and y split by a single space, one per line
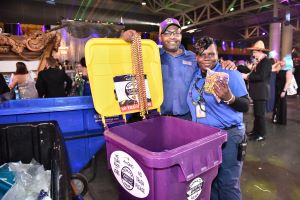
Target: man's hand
128 35
228 64
250 66
245 76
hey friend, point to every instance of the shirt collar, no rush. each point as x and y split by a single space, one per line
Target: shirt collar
217 68
185 52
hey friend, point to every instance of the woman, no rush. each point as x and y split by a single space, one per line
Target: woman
283 80
86 85
24 81
275 69
220 107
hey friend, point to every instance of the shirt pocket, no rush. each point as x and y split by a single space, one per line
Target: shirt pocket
188 73
165 72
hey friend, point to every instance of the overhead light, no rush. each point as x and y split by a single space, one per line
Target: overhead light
144 3
231 9
51 2
194 30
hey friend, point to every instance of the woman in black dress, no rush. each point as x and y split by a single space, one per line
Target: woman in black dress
283 80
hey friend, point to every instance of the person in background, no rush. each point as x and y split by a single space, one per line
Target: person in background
51 82
275 69
223 108
259 79
296 60
86 84
178 66
4 89
67 65
283 80
24 82
59 65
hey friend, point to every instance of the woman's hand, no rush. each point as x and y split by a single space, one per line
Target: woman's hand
128 35
222 90
282 94
228 64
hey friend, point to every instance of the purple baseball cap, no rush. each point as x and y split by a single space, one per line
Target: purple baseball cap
166 23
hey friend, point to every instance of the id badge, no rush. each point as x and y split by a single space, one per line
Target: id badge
200 111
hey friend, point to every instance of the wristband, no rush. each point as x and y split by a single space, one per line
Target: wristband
228 101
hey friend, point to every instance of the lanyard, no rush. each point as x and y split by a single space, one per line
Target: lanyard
200 99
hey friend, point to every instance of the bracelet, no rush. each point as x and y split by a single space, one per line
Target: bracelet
228 101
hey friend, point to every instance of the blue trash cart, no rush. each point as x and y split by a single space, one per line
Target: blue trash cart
79 123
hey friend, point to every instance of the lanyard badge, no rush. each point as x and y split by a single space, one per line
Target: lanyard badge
200 110
200 102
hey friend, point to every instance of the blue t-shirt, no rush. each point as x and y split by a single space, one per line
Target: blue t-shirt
219 115
177 73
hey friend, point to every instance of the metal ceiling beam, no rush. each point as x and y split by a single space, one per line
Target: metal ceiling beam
170 5
253 32
219 9
258 30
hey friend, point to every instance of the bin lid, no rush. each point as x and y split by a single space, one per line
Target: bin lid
110 72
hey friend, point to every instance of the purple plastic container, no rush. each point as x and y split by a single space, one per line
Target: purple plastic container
164 158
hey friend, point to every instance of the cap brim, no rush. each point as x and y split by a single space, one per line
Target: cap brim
257 49
162 31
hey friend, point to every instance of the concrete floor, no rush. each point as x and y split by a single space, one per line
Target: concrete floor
271 170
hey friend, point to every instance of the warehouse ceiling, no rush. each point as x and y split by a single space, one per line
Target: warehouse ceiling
216 16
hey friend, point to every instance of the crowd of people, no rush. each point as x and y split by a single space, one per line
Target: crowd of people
52 81
269 82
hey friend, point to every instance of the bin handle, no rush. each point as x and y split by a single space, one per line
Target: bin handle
103 121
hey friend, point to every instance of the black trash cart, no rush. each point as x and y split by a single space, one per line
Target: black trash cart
43 142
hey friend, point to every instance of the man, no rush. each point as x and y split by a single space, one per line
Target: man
220 102
178 66
259 79
4 89
3 86
51 82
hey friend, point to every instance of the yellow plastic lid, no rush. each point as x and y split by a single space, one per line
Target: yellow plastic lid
110 70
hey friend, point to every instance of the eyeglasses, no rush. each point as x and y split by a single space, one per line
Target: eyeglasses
170 33
204 55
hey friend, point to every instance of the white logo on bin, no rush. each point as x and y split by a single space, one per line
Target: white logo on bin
127 178
129 174
194 189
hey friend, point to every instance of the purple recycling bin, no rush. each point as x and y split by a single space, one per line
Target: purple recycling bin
164 158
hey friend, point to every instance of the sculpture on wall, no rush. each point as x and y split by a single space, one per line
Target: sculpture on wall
37 45
21 46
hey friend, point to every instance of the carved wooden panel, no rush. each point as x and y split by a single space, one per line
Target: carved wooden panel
28 47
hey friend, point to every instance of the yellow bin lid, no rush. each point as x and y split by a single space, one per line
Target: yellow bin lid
110 68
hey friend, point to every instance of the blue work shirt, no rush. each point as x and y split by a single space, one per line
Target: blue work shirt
219 115
177 73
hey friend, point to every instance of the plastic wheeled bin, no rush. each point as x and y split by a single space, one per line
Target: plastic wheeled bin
161 158
164 158
43 142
